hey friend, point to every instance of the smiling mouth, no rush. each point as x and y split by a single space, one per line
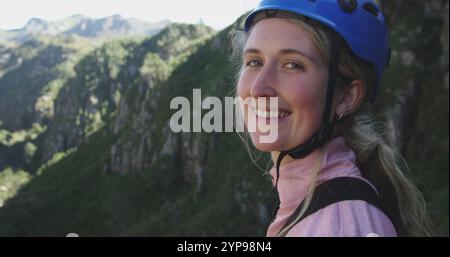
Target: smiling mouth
271 114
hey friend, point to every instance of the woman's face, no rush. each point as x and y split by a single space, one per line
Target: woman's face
280 60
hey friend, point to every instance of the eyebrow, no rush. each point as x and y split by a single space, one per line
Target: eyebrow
282 51
251 51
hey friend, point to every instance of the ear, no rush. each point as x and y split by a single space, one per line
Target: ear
351 97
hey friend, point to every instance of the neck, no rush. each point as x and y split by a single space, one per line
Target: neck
335 158
286 159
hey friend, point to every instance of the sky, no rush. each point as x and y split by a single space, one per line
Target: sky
215 13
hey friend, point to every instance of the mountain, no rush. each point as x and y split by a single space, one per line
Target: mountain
62 79
156 173
31 76
29 71
114 26
107 73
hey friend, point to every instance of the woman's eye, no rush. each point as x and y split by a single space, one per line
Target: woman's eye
293 65
253 63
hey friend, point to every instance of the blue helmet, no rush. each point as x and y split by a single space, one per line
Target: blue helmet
359 22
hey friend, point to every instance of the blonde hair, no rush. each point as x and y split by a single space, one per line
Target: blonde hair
377 161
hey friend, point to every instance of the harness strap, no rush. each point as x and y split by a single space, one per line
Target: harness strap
337 190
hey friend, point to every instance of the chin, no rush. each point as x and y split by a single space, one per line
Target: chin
266 147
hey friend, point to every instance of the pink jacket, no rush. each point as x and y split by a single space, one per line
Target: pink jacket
346 218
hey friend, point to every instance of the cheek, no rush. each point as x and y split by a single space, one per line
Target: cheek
304 96
303 100
307 106
243 91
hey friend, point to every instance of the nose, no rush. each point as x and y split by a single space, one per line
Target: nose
265 82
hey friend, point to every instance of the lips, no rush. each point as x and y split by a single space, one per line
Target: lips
278 114
270 113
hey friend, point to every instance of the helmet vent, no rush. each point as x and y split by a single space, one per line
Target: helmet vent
348 5
371 8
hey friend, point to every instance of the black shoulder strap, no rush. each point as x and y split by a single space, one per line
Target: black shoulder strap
337 190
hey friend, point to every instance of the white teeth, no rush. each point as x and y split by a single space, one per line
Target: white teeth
270 114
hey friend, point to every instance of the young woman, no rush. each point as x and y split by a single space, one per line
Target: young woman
334 174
